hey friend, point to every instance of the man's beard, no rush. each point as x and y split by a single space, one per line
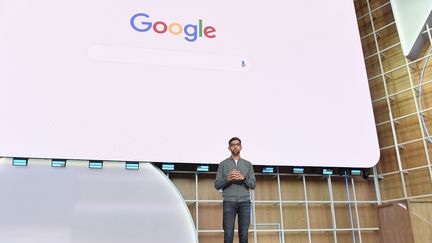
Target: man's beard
235 152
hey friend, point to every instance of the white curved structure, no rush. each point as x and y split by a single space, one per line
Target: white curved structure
411 18
75 204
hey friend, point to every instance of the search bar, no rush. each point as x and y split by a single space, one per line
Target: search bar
167 58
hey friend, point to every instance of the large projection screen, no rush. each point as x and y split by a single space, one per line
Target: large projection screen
173 80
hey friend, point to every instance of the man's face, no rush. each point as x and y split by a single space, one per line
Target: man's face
235 147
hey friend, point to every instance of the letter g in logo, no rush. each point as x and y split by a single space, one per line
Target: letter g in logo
143 26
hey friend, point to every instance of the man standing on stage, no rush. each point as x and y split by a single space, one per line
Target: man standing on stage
235 176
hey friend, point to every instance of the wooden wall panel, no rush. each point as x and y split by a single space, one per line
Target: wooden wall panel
372 66
403 104
408 129
365 26
369 48
292 188
361 7
388 37
266 188
413 155
210 238
267 213
381 111
320 216
192 210
428 121
374 4
385 135
365 189
296 237
397 81
322 237
391 187
418 182
342 214
376 87
347 237
393 57
206 189
317 189
370 237
368 216
388 161
272 237
210 216
185 183
383 17
421 215
340 190
294 216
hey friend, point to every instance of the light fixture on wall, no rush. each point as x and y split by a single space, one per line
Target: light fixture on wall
202 168
132 165
58 163
327 171
298 170
268 169
168 167
95 164
19 162
356 172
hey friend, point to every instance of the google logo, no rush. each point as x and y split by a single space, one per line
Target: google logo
140 23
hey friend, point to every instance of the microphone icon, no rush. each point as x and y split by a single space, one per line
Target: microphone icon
243 64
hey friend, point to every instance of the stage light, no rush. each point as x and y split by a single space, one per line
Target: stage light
132 166
58 163
202 168
327 172
298 170
268 169
168 167
95 164
356 172
19 162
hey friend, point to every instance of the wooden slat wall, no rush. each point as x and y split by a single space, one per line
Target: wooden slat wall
399 79
293 213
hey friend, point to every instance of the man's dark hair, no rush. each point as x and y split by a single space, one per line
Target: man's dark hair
234 139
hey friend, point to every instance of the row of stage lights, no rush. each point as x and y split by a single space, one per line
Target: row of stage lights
93 164
169 167
272 170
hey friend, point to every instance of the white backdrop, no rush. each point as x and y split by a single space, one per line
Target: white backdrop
288 77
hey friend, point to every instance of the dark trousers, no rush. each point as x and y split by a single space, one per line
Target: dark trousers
230 210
